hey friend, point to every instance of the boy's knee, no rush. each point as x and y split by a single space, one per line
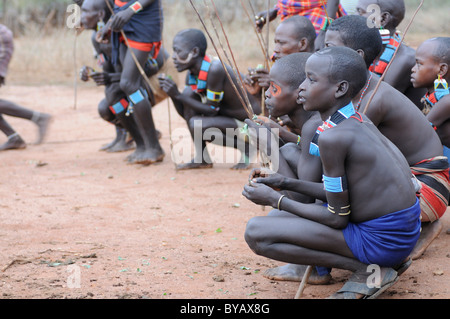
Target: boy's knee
113 93
128 86
195 123
252 236
105 112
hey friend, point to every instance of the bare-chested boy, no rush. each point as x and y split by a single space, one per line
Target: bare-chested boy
295 162
42 120
208 100
372 215
400 121
404 125
399 73
141 22
431 71
286 75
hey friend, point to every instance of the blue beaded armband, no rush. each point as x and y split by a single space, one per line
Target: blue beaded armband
335 184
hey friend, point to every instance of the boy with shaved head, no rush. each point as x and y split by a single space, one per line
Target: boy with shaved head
372 213
208 101
295 34
403 124
399 73
431 71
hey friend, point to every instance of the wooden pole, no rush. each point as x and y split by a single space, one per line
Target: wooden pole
304 282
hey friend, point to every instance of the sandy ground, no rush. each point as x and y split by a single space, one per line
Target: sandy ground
79 223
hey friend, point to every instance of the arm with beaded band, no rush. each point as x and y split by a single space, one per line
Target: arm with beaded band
140 5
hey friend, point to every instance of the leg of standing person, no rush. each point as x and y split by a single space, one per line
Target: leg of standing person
42 120
149 151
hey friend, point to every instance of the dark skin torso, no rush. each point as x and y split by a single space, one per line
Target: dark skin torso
231 105
401 122
350 148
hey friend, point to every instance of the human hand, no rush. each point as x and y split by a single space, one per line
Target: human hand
101 78
85 73
260 75
168 85
104 35
251 86
260 20
267 177
260 194
121 18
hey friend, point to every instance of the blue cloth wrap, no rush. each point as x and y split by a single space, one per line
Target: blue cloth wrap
387 240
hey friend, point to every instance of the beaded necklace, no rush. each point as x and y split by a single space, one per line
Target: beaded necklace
336 118
364 92
430 99
198 83
380 66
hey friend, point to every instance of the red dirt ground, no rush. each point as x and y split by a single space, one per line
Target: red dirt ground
136 231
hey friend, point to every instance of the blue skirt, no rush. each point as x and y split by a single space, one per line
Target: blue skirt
387 240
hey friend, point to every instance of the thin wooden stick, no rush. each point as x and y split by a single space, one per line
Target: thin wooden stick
393 57
304 282
267 35
75 83
223 64
260 39
236 69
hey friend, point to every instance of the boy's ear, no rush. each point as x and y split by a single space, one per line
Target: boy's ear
195 52
386 18
341 89
303 45
361 53
443 70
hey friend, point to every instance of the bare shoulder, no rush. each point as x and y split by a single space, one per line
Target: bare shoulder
216 66
406 56
310 127
341 137
444 101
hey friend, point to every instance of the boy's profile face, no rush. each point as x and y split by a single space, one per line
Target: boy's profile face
182 55
286 41
280 96
317 92
89 15
426 69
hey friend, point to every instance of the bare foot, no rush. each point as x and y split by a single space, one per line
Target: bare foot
241 166
193 165
292 272
146 157
14 142
43 122
121 146
429 232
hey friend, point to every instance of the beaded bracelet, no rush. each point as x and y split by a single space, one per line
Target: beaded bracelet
279 201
